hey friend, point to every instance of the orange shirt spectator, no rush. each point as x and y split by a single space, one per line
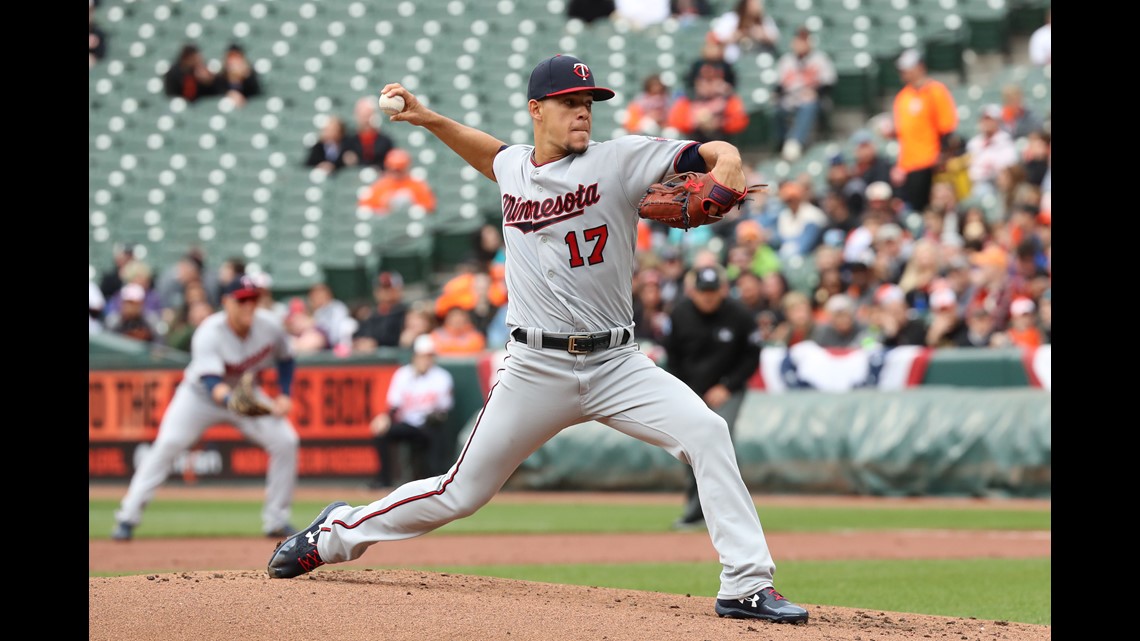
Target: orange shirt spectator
457 336
924 112
397 187
714 111
1023 330
465 289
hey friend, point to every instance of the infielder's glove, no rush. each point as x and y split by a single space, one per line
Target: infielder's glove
690 199
244 400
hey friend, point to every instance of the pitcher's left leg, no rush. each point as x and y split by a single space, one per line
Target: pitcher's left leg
651 405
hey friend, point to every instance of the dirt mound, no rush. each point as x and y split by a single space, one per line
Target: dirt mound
397 605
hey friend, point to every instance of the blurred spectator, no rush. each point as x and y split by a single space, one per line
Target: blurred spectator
328 153
305 337
1016 119
924 114
672 270
96 39
954 166
182 332
332 317
237 80
845 186
137 272
173 282
923 268
990 150
1045 312
639 14
188 77
1013 191
714 111
1036 158
419 320
956 276
420 396
894 322
940 218
686 10
457 335
266 300
805 76
131 320
991 283
1041 41
589 10
112 280
748 288
650 317
975 228
860 281
488 246
1022 330
800 224
397 187
710 64
840 329
648 112
497 330
799 320
229 269
879 211
95 304
385 322
840 221
746 29
477 289
979 329
892 250
752 251
868 165
367 145
945 327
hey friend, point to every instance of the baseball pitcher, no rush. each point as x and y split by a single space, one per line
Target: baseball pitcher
570 211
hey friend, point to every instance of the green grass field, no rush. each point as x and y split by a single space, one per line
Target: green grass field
1000 589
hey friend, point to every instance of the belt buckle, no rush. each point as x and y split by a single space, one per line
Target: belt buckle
572 344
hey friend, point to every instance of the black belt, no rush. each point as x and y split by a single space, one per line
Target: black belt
574 343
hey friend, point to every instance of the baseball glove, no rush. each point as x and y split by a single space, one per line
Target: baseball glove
244 400
690 199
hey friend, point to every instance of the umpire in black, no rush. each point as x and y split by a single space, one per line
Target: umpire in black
714 348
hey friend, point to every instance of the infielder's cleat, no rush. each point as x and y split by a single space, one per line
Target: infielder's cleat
281 532
766 604
690 525
122 532
297 554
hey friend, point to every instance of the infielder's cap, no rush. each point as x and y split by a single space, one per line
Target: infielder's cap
708 279
562 74
242 288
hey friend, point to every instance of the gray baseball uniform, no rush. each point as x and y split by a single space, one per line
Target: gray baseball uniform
217 350
570 229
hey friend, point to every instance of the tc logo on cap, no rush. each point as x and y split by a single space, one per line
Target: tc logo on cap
581 70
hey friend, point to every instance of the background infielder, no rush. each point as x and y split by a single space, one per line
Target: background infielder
239 339
570 213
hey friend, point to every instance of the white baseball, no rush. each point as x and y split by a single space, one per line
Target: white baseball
392 105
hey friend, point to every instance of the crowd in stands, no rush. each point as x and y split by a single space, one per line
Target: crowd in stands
947 244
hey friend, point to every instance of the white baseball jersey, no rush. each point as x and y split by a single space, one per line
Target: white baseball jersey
576 277
570 228
418 396
217 350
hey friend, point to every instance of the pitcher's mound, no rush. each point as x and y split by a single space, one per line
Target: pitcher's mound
408 605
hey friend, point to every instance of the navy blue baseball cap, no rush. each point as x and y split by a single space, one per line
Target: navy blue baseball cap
561 74
242 288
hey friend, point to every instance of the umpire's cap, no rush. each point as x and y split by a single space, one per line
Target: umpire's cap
562 74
